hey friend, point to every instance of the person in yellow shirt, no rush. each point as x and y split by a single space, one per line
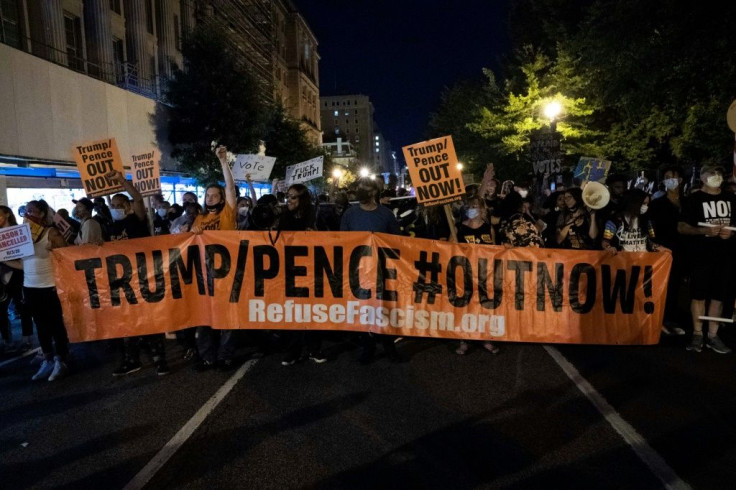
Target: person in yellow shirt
220 203
217 347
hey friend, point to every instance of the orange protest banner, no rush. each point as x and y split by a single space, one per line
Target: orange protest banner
434 173
94 161
146 173
359 281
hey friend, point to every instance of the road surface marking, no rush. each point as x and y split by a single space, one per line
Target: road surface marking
641 447
171 447
25 354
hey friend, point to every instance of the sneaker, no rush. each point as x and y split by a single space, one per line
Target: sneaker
190 354
716 345
490 347
677 331
318 357
60 369
463 349
162 368
47 367
127 367
289 360
666 331
696 342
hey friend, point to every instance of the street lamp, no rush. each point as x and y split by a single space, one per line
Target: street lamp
459 166
364 172
552 110
337 174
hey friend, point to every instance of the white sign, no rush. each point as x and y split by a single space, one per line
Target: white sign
15 242
304 171
258 166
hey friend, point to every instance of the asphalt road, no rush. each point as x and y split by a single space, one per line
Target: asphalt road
649 415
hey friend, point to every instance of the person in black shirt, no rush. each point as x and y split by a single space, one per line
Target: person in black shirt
710 255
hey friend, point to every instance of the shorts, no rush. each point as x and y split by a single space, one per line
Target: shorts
712 279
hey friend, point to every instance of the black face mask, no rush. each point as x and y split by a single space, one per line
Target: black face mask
363 195
216 208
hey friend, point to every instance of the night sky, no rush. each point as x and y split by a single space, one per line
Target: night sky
402 53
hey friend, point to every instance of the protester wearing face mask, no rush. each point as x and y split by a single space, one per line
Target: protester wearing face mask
90 231
130 221
664 212
629 229
475 228
370 216
161 224
710 256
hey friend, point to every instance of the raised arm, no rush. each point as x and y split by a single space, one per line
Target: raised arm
138 207
231 198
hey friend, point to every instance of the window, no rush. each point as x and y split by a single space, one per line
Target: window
347 121
356 112
337 113
149 16
337 130
115 6
347 113
73 34
10 23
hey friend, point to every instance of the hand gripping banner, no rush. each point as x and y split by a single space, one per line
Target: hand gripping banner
361 282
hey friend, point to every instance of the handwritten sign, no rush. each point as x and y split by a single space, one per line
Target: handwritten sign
592 169
146 174
544 152
304 171
15 242
258 166
434 173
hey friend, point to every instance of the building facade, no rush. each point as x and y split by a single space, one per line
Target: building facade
73 71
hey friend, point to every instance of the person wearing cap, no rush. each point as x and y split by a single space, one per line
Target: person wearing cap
90 230
705 216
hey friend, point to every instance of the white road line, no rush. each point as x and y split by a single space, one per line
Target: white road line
171 447
25 354
641 447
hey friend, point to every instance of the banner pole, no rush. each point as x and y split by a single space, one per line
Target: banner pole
450 222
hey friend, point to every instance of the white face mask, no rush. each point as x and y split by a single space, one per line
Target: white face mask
117 214
243 211
714 181
643 209
161 212
472 213
671 184
523 193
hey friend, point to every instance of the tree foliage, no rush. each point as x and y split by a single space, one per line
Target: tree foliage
215 98
641 83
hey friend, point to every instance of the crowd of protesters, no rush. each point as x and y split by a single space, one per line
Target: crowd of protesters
693 219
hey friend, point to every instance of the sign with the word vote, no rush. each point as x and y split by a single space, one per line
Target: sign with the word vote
544 152
146 173
258 166
94 161
433 170
304 171
592 169
361 282
15 242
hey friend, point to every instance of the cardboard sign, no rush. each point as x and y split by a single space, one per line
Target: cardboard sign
592 170
15 242
94 161
304 171
433 169
63 226
258 166
544 152
146 174
361 282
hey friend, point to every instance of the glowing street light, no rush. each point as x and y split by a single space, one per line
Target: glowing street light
552 110
459 166
337 173
364 172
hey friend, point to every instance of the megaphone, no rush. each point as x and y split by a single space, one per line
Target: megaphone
596 195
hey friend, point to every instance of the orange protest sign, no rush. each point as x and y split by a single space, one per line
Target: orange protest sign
94 161
146 173
359 281
434 173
